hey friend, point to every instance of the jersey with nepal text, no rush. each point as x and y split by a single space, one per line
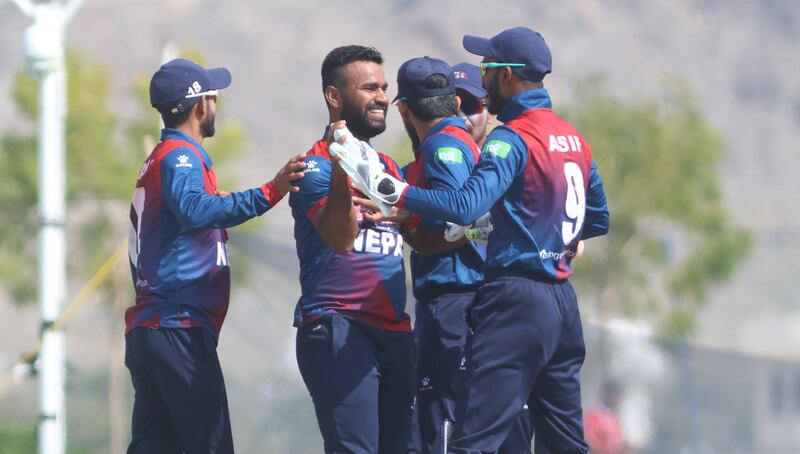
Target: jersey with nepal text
537 175
177 241
444 160
367 283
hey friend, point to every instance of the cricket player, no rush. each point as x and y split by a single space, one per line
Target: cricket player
354 345
537 176
444 281
179 262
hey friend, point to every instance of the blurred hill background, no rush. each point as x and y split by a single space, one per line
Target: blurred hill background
739 59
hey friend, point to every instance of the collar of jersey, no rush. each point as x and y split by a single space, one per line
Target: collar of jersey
175 134
538 98
445 122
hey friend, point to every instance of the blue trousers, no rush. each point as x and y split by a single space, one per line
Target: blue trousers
180 405
361 379
441 332
526 347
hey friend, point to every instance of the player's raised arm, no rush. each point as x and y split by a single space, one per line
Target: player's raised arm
337 222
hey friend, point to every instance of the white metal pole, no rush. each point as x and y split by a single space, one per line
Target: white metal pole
44 51
52 257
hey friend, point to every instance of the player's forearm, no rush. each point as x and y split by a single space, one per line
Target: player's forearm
480 191
460 207
197 210
338 225
597 219
430 241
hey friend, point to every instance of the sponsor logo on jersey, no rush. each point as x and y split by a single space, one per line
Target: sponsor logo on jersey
564 144
425 384
544 254
497 148
449 155
311 166
183 161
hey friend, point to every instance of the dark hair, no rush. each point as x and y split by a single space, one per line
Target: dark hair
173 121
435 106
341 57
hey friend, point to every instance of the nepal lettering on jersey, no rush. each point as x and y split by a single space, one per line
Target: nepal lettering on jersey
378 242
564 144
377 238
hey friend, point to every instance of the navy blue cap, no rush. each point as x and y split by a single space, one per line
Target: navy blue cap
515 45
468 78
179 84
412 75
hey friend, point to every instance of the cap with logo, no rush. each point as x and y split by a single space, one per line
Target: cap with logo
468 78
179 84
412 75
519 45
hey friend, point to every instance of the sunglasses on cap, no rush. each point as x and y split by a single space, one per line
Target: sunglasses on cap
494 64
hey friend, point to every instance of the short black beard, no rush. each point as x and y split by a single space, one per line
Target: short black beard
496 100
357 121
412 134
207 127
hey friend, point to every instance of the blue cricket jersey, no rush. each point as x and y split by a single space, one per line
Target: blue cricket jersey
444 160
367 283
177 240
537 176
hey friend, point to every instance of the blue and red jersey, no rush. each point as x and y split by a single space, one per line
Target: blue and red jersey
444 160
177 241
367 283
537 176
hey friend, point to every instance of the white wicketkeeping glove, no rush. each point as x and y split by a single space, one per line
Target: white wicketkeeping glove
386 188
361 163
477 231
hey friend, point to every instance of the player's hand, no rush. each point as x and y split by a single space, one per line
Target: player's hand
579 250
477 231
293 170
338 170
332 128
398 215
386 188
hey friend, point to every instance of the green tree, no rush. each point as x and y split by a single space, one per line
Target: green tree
671 237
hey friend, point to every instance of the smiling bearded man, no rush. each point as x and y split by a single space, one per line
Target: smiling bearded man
354 345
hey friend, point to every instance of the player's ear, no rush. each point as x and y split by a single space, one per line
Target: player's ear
458 103
200 108
403 109
333 97
506 74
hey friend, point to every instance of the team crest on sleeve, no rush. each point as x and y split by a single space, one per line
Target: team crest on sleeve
449 155
183 161
497 148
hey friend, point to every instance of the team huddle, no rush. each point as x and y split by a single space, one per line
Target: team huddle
493 220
